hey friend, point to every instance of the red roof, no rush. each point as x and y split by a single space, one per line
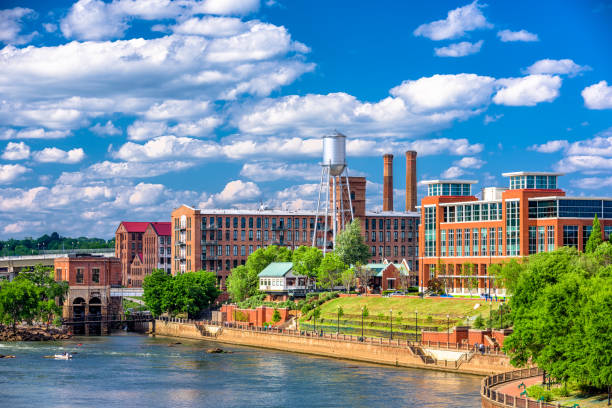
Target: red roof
162 228
135 226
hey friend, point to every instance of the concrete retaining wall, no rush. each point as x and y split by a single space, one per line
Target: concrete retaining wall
367 352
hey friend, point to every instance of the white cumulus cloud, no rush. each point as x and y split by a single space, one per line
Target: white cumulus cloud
521 35
268 171
551 146
556 67
11 25
16 151
598 96
456 24
527 91
108 129
459 49
10 172
55 155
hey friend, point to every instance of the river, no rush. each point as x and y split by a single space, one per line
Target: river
128 370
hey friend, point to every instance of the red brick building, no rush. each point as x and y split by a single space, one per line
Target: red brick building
145 240
533 215
90 279
219 240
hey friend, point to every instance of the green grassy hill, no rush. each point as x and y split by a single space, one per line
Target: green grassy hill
432 315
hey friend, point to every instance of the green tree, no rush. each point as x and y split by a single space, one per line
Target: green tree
595 237
330 269
471 276
19 301
350 245
507 274
239 285
191 293
363 274
276 317
154 288
263 257
51 292
306 261
316 313
348 278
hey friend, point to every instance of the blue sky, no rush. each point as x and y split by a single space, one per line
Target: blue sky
124 110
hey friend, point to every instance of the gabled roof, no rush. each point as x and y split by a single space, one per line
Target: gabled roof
276 270
379 268
135 226
162 228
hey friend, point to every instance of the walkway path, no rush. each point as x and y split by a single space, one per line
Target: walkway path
139 301
512 387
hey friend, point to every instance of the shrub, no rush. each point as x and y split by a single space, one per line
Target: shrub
479 322
386 292
413 289
537 391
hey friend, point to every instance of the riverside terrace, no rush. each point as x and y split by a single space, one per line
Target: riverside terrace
399 353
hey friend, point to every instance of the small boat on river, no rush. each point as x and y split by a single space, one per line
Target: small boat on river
63 356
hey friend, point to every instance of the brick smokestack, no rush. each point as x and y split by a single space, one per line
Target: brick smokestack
411 182
388 182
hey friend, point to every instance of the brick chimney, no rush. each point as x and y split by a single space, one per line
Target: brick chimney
388 182
411 183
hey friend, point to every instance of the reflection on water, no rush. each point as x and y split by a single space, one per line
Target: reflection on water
132 370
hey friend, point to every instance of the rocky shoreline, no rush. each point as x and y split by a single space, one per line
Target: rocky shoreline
32 333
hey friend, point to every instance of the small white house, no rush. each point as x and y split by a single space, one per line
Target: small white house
278 279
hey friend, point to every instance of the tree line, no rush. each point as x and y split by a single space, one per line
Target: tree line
342 266
561 308
28 246
33 295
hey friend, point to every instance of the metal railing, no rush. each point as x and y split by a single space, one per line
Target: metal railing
487 391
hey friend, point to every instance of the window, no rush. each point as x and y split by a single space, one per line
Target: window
242 250
373 236
500 242
491 241
265 235
395 251
475 241
289 235
250 235
443 242
551 237
250 249
513 240
235 235
381 236
388 236
243 235
459 244
570 235
304 235
227 250
95 275
395 236
242 222
380 224
607 232
466 242
235 222
373 251
532 240
403 250
235 251
451 242
430 231
227 222
483 242
395 221
79 275
541 239
403 238
250 222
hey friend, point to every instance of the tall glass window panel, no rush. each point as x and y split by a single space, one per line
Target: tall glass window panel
532 240
541 239
550 232
570 236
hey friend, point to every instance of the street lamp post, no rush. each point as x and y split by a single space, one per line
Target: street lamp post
362 322
447 330
416 325
501 316
391 312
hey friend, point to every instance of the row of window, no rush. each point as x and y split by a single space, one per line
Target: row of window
473 212
256 222
397 251
471 242
430 231
532 182
80 275
386 223
570 208
257 235
387 234
448 189
541 239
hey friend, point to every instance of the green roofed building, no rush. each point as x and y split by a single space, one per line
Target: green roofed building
279 281
388 276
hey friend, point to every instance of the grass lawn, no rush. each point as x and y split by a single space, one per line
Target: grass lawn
438 308
431 313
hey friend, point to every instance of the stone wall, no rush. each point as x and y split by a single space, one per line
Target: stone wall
382 353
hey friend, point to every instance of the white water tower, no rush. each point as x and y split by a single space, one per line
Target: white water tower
333 170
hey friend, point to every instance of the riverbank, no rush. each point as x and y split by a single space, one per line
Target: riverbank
391 353
32 333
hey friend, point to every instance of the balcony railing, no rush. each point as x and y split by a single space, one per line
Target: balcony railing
209 242
209 257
